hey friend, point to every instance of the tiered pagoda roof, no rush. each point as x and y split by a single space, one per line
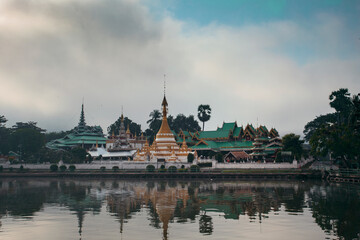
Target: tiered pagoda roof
81 135
231 137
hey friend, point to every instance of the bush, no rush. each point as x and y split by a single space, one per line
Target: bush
102 169
190 158
115 168
53 167
194 168
162 168
11 169
219 157
21 169
1 168
172 169
62 168
72 168
150 168
183 170
208 164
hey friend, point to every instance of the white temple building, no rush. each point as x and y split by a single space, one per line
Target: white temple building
118 148
164 147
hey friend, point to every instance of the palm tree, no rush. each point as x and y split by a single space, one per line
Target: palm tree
204 113
155 120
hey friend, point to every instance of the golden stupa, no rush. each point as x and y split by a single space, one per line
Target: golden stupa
164 147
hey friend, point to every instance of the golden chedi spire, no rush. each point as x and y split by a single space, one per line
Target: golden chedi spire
128 129
164 129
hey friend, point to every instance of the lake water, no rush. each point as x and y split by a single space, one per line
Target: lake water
119 209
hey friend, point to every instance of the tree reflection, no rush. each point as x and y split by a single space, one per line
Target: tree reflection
336 209
205 224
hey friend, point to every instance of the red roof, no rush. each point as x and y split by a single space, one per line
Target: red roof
238 155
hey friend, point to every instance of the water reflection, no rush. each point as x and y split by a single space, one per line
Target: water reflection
335 208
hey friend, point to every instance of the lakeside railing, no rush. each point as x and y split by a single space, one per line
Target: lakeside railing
345 173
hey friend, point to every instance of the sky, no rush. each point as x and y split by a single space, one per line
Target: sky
268 62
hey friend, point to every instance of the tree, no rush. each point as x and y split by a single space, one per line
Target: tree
26 138
292 143
354 119
219 157
190 158
340 100
204 113
49 136
78 154
317 123
4 136
339 135
27 125
133 126
155 120
154 124
181 122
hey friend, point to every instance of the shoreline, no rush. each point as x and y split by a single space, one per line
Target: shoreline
270 175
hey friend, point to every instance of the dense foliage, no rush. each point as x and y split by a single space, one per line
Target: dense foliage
338 133
115 127
180 122
293 144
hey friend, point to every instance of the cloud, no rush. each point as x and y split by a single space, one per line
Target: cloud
114 53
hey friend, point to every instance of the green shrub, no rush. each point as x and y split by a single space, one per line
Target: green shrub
53 167
11 169
102 168
150 168
1 168
190 158
172 169
62 168
219 158
194 168
208 164
115 168
72 168
21 169
162 168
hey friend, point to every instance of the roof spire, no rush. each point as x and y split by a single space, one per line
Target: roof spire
164 84
82 117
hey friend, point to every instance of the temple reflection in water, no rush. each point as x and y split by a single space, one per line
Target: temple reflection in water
174 202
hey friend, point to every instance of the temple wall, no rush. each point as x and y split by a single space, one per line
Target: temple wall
95 165
142 165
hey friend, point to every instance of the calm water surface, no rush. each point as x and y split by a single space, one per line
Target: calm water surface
117 209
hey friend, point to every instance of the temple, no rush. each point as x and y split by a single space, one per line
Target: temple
244 143
164 148
81 136
117 147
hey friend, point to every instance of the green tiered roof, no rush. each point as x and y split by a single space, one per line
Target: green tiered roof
79 136
237 131
230 137
214 134
204 144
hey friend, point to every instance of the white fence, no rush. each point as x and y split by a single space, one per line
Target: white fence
95 165
98 164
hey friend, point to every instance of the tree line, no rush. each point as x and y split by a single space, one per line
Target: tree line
28 140
180 122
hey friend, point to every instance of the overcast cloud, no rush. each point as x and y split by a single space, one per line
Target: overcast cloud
114 53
